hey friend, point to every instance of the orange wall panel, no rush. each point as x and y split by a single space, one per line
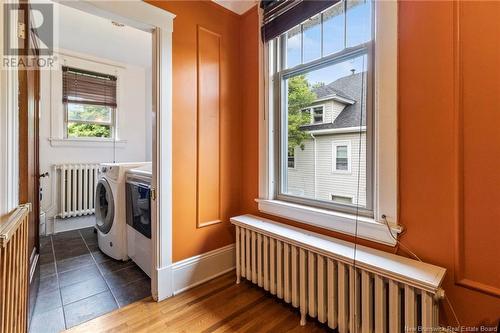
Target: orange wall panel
480 145
188 239
430 102
208 121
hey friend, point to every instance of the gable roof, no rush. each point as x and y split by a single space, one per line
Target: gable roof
350 87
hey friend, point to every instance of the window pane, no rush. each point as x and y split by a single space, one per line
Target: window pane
333 29
312 38
293 47
342 90
84 130
359 22
342 164
84 112
341 151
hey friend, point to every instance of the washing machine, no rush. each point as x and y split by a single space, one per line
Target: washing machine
110 209
138 193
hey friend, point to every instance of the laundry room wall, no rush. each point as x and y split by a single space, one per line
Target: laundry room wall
104 47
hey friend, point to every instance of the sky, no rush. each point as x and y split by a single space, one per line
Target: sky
358 23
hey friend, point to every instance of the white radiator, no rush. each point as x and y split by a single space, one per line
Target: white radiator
77 189
381 293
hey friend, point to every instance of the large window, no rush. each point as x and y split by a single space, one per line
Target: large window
89 103
324 66
336 55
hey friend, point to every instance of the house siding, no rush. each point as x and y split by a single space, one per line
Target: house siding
302 179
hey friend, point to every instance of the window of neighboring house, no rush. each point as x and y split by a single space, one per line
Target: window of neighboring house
291 159
327 56
89 100
341 157
317 114
342 199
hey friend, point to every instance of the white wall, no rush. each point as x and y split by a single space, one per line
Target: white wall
131 125
85 33
106 48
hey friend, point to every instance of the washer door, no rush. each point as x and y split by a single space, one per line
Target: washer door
104 206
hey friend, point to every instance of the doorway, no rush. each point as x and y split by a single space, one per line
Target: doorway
74 246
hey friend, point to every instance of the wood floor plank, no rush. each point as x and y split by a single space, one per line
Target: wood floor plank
218 306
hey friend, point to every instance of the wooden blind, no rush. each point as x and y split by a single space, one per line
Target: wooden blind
86 87
282 15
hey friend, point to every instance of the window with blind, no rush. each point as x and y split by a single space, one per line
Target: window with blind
89 100
331 103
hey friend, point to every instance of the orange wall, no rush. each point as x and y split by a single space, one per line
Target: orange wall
431 172
188 239
428 160
430 133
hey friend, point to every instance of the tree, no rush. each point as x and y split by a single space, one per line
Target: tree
300 96
88 130
91 113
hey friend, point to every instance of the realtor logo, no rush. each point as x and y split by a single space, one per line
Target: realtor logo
27 45
41 36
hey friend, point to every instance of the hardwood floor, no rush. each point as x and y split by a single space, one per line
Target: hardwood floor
216 306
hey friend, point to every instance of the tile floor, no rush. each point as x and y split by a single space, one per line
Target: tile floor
78 282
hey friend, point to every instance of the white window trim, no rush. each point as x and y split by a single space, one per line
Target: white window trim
341 143
58 123
88 142
385 187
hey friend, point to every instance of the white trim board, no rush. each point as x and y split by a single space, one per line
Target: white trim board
196 270
9 142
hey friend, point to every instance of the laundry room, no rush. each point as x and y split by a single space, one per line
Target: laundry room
95 138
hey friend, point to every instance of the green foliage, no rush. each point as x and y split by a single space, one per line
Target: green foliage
89 112
300 96
76 130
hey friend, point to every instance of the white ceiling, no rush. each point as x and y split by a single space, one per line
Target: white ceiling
86 33
237 6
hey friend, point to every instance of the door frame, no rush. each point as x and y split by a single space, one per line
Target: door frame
159 22
9 132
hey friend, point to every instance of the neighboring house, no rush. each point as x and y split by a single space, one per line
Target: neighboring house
328 166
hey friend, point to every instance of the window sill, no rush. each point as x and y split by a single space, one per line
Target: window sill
368 228
88 143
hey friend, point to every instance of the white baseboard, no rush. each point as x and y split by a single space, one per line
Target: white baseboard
164 288
57 225
196 270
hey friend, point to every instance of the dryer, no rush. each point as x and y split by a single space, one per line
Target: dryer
110 209
138 192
